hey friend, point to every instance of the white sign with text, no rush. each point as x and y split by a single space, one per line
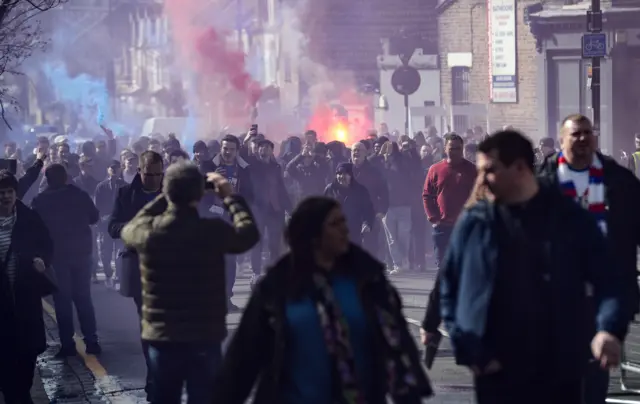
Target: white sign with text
503 54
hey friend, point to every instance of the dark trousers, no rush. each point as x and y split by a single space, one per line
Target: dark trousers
371 240
418 241
175 364
596 384
74 289
16 377
94 251
432 318
509 387
145 350
106 252
230 273
271 225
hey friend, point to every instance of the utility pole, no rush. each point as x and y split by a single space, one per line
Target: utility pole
594 45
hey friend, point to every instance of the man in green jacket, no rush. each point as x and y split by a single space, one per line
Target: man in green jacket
184 302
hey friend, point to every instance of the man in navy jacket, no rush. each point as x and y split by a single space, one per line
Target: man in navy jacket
515 281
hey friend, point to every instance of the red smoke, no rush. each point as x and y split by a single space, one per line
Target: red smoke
218 60
222 78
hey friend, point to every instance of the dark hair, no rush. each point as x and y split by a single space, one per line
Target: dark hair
304 229
88 147
150 157
547 142
311 132
511 146
183 183
449 137
199 146
138 147
8 180
178 153
231 139
56 175
266 143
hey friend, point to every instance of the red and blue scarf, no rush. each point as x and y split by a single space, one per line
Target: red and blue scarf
595 195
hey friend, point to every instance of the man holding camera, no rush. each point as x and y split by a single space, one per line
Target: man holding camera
184 304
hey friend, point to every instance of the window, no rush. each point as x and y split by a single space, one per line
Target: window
460 96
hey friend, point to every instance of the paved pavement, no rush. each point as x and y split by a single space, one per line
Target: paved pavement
117 376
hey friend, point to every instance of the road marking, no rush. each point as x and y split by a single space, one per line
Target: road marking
90 360
419 324
106 383
619 401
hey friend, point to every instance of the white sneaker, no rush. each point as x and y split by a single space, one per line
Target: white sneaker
396 270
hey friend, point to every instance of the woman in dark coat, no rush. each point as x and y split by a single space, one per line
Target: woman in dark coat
355 200
324 325
25 253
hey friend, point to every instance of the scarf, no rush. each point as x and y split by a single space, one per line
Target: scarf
400 378
595 195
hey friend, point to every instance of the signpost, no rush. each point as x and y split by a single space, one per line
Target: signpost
594 46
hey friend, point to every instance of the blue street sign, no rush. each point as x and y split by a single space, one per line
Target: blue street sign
594 45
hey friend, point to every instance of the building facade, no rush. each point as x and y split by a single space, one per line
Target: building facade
564 77
488 59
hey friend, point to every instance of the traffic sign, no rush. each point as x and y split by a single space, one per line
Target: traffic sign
405 80
594 45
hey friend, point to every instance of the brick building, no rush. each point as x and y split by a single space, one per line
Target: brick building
464 28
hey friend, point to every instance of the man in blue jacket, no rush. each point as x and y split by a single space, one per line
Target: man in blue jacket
514 285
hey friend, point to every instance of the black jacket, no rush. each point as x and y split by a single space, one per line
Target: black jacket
312 178
23 327
30 177
68 213
105 198
87 183
247 362
356 204
130 200
259 174
623 218
244 187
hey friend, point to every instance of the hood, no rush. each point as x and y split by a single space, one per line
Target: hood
217 160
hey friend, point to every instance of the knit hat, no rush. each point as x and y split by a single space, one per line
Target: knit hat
344 168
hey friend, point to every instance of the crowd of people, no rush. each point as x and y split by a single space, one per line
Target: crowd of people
536 291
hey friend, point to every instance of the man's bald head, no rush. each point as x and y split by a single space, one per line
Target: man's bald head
358 153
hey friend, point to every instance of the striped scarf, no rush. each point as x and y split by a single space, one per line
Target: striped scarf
595 195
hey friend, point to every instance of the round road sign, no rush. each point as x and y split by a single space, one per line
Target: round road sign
405 80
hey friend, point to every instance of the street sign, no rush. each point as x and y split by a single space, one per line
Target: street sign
594 45
405 80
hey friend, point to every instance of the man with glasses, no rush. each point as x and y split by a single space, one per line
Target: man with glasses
612 194
144 188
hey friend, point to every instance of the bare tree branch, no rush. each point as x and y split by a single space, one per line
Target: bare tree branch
20 36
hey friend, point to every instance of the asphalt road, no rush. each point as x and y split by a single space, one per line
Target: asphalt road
117 376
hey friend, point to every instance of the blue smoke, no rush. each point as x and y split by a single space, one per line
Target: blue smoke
83 94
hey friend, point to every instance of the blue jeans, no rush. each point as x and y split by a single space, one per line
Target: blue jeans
174 364
441 236
397 223
74 288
